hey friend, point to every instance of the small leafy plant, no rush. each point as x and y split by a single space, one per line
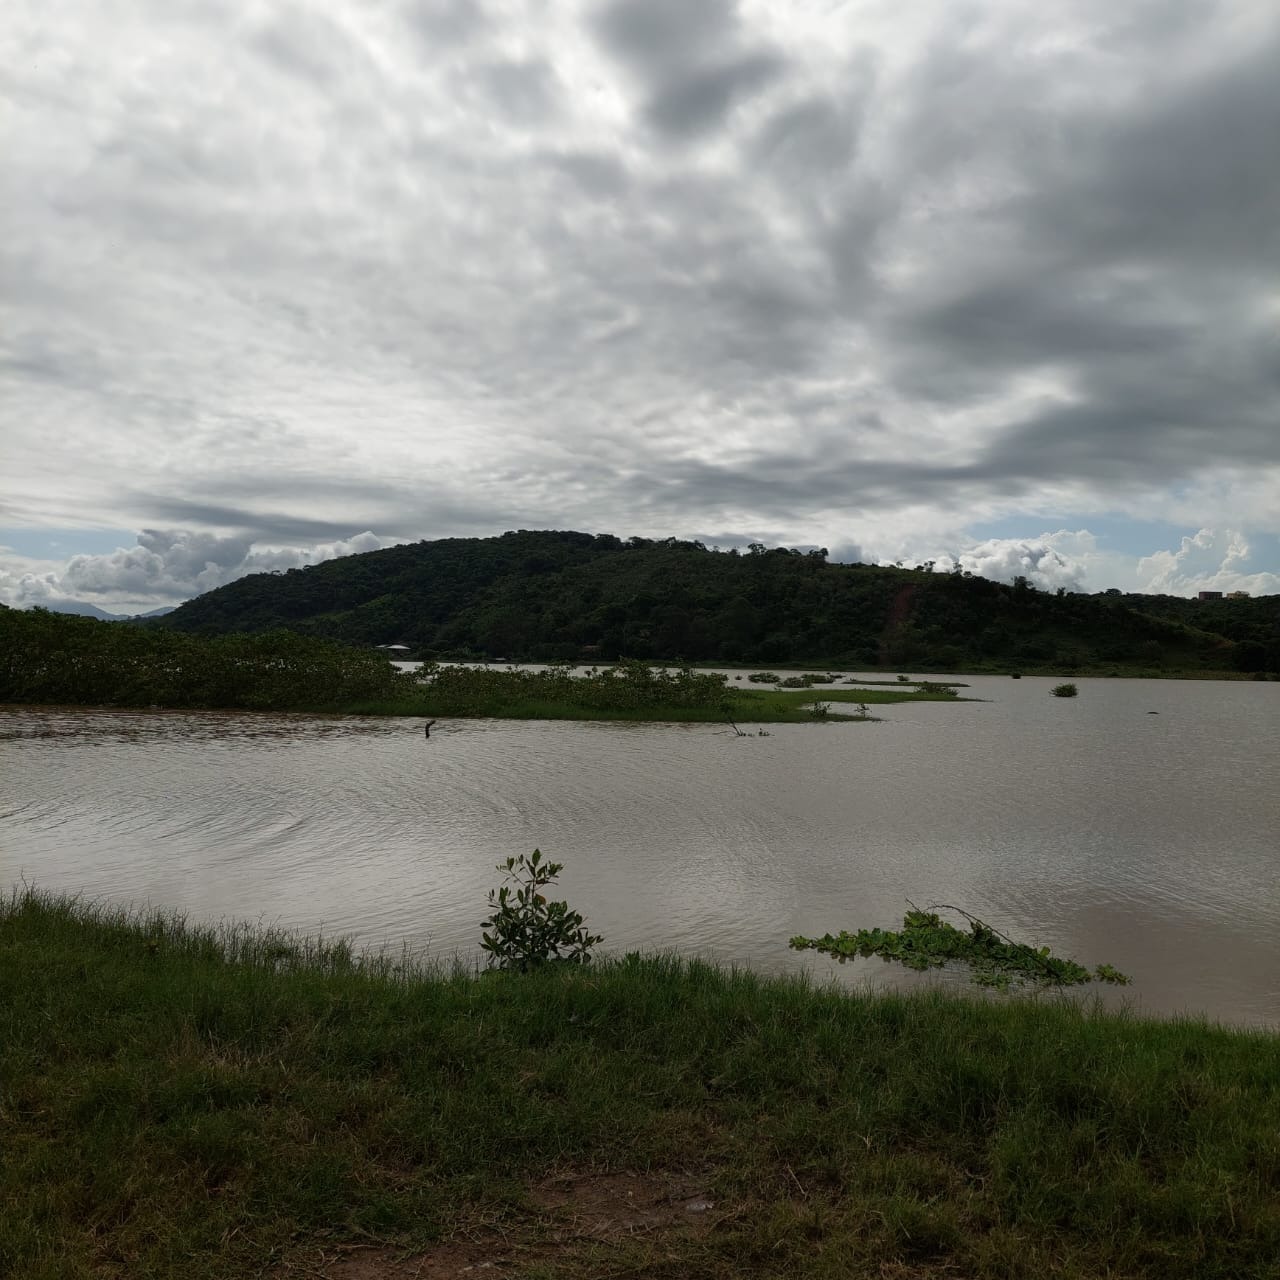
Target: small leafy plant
926 941
1064 691
525 930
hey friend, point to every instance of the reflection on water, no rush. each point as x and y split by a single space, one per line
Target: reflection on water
1148 841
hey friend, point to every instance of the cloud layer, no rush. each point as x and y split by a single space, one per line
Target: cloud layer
281 271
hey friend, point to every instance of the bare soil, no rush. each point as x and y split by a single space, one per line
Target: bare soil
575 1216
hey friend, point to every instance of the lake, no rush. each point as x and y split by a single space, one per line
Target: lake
1088 824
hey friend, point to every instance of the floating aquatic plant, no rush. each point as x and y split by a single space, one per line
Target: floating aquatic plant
926 941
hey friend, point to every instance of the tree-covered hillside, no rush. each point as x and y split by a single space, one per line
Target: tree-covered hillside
562 595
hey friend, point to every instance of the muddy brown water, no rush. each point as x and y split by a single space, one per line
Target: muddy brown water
1089 825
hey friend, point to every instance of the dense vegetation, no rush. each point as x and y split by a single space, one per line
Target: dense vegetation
552 595
61 658
57 657
180 1103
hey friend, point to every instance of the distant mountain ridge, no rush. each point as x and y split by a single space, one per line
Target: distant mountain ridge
544 595
84 610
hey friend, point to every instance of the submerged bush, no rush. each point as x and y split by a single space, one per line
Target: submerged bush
926 941
1064 691
807 679
941 690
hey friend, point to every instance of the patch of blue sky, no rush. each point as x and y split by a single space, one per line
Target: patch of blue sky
61 544
1264 551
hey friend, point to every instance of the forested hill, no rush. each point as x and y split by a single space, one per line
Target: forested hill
547 595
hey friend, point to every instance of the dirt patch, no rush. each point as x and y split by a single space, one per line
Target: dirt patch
612 1206
482 1259
900 607
898 617
572 1212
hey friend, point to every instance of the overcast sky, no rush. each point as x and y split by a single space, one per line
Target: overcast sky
997 281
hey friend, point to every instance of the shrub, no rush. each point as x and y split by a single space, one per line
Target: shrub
1064 691
525 930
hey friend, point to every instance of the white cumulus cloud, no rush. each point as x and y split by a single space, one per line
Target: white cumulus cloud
1209 560
1045 562
164 567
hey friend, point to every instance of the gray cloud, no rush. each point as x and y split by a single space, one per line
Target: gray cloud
696 101
654 35
810 139
303 41
230 517
651 266
676 49
1188 176
523 89
597 174
442 23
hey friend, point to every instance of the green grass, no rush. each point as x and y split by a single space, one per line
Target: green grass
183 1102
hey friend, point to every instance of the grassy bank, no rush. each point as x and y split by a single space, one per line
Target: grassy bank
175 1102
